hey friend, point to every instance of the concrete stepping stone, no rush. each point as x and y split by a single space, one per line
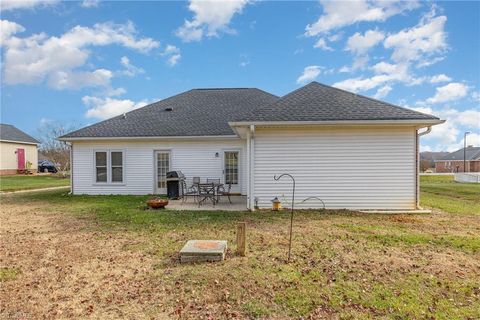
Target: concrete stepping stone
203 250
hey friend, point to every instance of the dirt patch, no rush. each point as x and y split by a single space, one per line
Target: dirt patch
69 269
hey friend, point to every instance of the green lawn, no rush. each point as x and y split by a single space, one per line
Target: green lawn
24 182
345 264
444 193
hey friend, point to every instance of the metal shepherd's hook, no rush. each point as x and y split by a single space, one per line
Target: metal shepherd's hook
291 214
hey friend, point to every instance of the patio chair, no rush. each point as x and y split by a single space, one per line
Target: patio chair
196 180
221 191
213 180
189 192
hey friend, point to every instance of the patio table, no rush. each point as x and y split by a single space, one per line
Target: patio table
208 191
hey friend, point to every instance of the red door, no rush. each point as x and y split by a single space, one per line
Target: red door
21 159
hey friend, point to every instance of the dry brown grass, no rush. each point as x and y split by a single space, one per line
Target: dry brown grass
120 261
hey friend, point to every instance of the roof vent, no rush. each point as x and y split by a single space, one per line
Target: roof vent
168 109
124 116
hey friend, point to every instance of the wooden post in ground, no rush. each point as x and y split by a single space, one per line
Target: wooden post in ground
241 238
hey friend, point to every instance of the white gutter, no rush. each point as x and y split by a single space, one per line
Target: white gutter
417 164
429 129
426 122
150 138
19 142
248 170
71 168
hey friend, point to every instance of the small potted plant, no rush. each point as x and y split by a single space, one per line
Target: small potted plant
157 203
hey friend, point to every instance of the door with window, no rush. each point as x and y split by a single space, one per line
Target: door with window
231 170
162 166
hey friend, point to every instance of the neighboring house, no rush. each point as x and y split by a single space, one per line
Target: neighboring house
350 151
453 162
16 149
427 159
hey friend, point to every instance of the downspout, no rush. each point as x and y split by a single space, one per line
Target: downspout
71 168
248 170
252 167
417 162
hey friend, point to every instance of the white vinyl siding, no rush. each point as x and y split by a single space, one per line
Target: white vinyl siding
195 158
353 168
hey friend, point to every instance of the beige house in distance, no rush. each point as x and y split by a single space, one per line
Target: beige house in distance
17 149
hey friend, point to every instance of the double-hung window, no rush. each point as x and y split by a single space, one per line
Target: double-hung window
109 166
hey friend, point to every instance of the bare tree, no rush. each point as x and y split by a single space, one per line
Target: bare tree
53 149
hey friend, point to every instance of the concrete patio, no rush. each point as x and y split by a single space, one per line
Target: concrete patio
239 203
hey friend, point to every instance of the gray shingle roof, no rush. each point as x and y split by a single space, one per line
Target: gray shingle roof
472 153
198 112
319 102
11 133
207 112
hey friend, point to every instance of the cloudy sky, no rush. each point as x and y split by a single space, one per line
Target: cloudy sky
81 62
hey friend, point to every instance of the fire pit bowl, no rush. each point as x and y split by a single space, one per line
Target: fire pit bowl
157 203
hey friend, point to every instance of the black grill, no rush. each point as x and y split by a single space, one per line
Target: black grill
174 179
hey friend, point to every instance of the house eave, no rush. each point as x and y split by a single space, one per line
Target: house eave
20 142
419 123
218 137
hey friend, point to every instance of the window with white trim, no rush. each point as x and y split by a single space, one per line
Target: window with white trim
101 166
109 166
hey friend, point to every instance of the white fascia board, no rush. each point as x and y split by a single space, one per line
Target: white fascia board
418 123
228 137
20 142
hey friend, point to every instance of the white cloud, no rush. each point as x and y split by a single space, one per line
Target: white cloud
363 84
8 29
74 80
450 92
6 5
130 69
360 44
210 18
449 135
173 55
420 42
173 60
440 78
57 60
382 92
104 108
310 73
322 44
90 3
337 14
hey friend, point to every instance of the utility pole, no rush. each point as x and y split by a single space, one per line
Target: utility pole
465 151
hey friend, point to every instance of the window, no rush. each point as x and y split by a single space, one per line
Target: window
231 167
101 166
117 166
108 166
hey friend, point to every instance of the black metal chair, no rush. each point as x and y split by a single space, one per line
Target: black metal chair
222 192
213 180
189 192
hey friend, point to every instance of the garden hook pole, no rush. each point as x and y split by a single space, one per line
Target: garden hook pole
291 214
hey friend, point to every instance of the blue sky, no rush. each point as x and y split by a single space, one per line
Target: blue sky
81 62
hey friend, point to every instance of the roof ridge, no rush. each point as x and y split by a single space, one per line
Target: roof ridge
226 88
370 98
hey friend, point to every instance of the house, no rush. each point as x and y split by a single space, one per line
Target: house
453 162
17 150
427 159
348 150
